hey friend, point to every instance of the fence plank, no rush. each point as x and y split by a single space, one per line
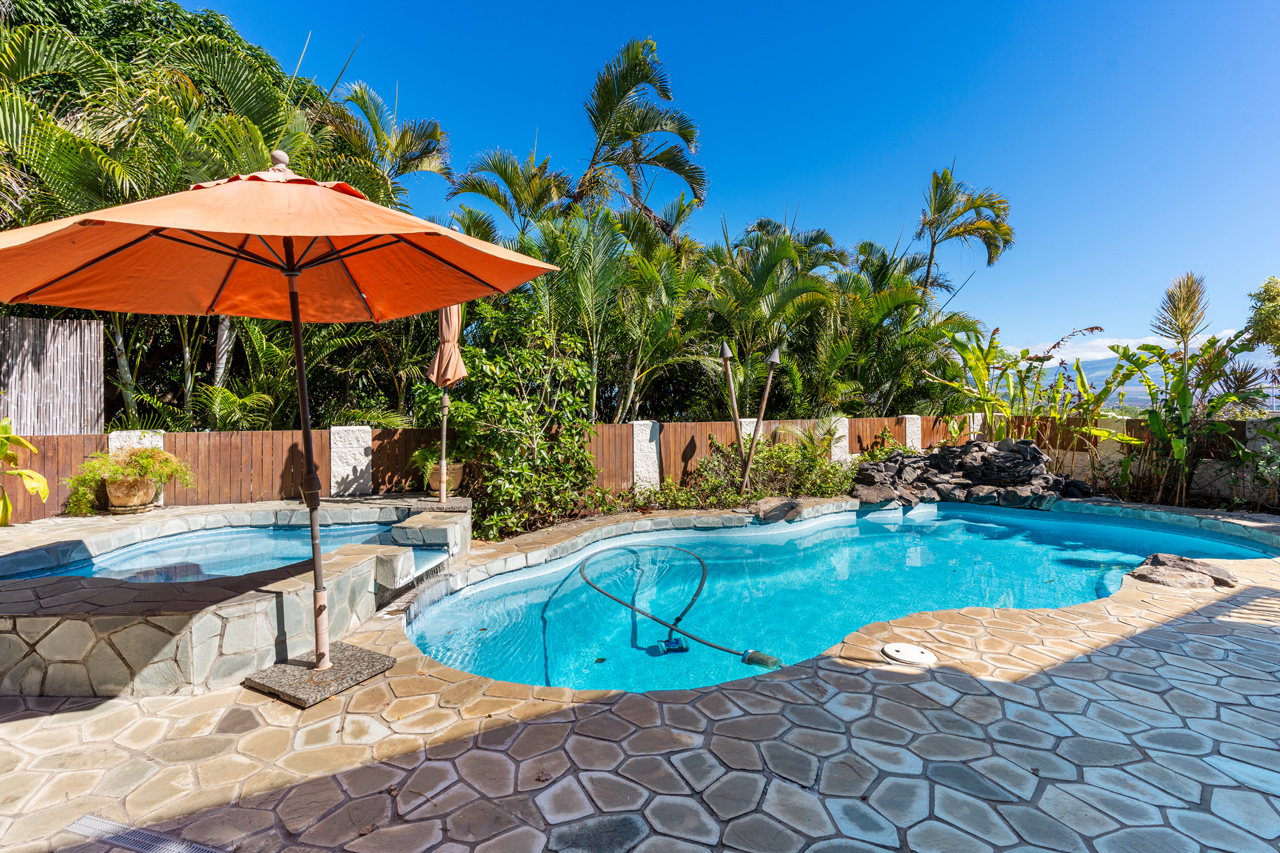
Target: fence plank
611 452
864 433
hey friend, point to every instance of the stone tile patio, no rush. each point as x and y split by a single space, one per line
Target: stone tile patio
1143 723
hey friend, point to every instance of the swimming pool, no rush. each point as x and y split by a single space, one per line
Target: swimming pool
224 552
792 590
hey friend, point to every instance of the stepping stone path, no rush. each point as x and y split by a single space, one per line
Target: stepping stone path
1148 722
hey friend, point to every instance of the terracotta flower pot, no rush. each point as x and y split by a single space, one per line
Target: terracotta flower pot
131 494
455 477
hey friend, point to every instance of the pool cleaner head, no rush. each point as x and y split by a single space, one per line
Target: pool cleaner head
760 659
672 644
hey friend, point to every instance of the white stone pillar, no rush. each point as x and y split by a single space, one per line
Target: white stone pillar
976 425
129 439
350 460
646 464
913 436
840 441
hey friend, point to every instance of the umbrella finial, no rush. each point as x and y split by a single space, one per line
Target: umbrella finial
279 160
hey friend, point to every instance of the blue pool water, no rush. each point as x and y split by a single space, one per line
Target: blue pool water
789 590
224 552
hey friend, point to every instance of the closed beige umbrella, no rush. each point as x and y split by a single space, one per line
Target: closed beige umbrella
446 370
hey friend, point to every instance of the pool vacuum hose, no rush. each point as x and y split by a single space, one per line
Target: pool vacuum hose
673 643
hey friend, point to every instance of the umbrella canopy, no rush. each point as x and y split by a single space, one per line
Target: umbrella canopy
447 368
220 247
272 245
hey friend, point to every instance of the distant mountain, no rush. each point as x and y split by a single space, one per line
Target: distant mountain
1097 371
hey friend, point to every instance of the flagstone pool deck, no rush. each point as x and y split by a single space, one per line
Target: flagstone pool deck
1147 722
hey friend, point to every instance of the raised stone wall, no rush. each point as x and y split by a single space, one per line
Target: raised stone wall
87 636
101 637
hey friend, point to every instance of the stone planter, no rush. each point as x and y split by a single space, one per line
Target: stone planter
455 478
131 495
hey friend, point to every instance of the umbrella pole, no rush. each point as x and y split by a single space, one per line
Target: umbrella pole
311 480
444 431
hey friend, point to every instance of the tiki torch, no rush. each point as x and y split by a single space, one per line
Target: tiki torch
725 355
773 361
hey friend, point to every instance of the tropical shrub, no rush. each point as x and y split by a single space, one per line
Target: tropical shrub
34 483
1192 392
780 469
523 424
149 463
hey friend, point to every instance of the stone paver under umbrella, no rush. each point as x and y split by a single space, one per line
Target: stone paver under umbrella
272 245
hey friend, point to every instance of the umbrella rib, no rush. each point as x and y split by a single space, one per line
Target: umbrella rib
227 277
337 255
307 250
352 279
239 251
230 252
279 259
117 250
449 264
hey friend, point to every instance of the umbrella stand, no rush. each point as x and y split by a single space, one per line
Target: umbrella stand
311 480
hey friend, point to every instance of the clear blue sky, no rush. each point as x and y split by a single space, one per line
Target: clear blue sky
1134 140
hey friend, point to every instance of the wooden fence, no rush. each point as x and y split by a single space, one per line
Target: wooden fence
392 449
59 456
244 467
681 446
613 449
51 375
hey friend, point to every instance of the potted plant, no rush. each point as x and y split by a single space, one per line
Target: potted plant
132 479
426 461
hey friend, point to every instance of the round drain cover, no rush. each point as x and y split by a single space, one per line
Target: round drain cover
907 653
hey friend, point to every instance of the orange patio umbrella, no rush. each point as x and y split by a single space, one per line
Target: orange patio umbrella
446 370
272 245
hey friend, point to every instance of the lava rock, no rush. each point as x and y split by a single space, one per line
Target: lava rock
1019 496
876 495
1175 578
985 495
1044 501
1220 576
770 510
1077 489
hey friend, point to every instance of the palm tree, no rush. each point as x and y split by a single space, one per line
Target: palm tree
953 210
658 329
375 138
583 294
1181 315
525 190
762 289
634 133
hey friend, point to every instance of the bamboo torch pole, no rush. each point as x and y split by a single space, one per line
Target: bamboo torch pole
725 355
773 361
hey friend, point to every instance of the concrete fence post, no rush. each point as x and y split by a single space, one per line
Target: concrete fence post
646 463
840 441
350 460
131 439
914 440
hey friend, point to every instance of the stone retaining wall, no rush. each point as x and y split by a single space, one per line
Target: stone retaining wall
89 636
83 636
